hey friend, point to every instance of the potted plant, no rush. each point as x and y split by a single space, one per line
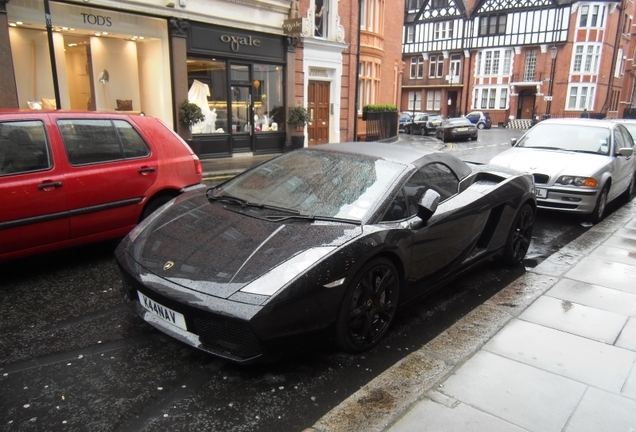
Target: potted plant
297 118
190 113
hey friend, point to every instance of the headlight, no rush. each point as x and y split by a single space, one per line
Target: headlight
279 276
577 181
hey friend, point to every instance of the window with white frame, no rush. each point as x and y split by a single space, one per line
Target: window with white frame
489 62
372 15
503 98
580 96
455 64
494 98
436 66
592 15
586 58
415 101
433 100
507 62
410 34
620 63
417 67
530 66
443 30
492 25
368 82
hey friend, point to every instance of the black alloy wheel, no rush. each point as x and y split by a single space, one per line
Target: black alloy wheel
368 307
519 236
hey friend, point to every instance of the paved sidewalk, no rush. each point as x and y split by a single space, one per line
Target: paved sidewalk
553 351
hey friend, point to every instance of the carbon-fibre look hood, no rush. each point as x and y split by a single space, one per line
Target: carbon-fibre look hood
209 248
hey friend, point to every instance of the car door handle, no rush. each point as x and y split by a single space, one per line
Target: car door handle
49 184
146 169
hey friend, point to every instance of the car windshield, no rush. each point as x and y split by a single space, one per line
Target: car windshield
569 137
458 122
316 183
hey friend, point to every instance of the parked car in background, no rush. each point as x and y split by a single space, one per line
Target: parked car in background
406 117
283 250
68 178
424 123
480 118
630 125
579 165
455 129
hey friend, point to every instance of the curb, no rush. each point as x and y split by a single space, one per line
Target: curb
385 399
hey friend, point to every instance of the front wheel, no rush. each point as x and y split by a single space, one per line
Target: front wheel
599 210
423 131
368 307
519 236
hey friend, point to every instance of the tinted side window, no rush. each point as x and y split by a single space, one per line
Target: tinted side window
627 138
95 141
436 176
134 146
23 147
398 208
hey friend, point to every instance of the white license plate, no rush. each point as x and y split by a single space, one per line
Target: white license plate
541 193
462 129
166 314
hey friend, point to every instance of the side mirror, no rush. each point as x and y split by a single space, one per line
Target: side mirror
428 205
513 141
626 151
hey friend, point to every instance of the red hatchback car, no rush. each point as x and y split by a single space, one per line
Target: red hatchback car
68 178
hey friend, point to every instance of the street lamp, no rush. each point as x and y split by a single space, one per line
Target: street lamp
553 54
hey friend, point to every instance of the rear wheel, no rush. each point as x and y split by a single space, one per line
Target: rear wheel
519 236
368 307
423 131
407 129
481 125
154 204
599 210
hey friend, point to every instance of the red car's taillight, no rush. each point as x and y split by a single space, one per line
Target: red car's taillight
197 164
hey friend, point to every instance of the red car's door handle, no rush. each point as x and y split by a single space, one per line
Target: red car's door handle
146 169
49 185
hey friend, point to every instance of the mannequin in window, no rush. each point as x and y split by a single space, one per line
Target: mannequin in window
319 13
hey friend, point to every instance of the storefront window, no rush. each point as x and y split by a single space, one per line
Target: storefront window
269 113
105 60
207 84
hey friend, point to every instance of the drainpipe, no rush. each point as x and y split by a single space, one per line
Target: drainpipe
357 77
619 32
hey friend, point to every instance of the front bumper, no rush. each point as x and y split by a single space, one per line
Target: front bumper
570 200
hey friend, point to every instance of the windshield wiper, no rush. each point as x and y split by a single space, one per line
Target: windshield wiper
313 218
545 148
244 203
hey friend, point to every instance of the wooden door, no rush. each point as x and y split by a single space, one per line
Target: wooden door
526 105
318 107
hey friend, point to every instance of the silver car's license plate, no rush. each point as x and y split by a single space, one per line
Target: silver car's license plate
541 193
166 314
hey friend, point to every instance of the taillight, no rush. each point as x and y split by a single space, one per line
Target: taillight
197 165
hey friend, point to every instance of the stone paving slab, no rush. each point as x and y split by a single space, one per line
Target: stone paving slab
600 297
457 417
606 273
627 338
603 411
590 362
518 393
564 315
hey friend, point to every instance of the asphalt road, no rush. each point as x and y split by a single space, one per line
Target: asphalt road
73 357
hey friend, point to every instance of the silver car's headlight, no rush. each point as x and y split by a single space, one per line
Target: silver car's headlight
577 181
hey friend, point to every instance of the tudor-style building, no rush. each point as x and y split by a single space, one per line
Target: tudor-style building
516 58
